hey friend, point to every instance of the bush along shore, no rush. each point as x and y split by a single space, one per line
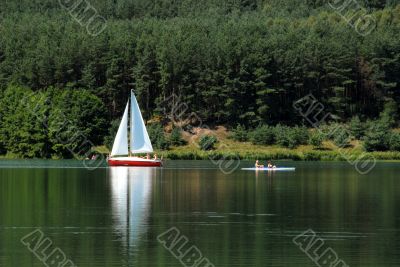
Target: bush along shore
378 138
330 142
276 155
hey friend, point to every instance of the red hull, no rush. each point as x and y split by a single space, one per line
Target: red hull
134 163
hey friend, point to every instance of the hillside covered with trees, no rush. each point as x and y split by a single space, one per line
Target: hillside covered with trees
231 61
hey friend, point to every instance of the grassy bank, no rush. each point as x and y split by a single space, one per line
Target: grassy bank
275 155
249 152
227 148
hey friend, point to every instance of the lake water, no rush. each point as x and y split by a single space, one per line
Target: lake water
113 216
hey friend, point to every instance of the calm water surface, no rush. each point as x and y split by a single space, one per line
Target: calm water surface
112 217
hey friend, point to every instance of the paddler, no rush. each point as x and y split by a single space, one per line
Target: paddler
257 165
270 166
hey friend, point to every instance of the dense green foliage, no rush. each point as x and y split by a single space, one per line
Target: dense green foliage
176 137
55 123
157 136
263 135
284 136
316 139
357 128
207 142
230 61
394 142
291 137
342 137
378 135
376 138
240 134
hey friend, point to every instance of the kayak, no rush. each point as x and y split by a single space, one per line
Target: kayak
270 169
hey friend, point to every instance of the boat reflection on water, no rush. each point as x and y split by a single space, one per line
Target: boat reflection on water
131 197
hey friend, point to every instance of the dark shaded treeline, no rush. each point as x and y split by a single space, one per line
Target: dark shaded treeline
129 9
56 123
232 62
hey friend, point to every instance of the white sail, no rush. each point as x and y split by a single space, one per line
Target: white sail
140 141
120 146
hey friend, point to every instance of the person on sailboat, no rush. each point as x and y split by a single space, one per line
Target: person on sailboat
148 156
155 157
257 165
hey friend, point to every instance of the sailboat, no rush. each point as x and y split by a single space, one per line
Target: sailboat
138 137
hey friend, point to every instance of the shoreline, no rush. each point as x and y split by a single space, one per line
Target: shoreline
261 154
291 155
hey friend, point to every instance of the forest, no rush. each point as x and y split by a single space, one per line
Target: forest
232 62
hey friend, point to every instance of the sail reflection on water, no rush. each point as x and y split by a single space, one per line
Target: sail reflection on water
131 197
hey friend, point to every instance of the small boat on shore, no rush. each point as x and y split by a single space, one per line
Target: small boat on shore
270 169
138 143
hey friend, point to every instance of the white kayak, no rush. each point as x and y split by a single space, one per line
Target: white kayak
270 169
